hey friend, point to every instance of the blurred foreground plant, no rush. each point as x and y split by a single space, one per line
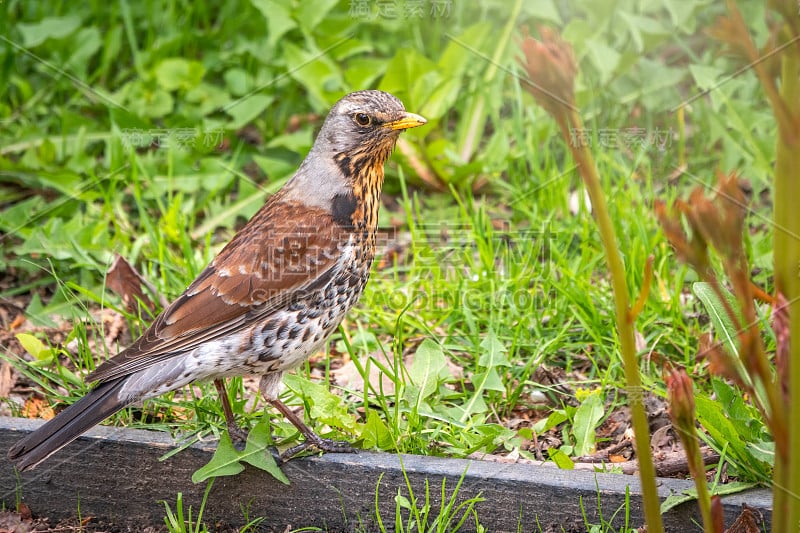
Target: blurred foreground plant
551 67
680 395
718 224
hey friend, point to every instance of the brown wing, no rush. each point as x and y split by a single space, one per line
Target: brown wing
285 250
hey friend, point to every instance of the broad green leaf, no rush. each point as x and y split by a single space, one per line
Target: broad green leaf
12 216
316 73
579 31
726 331
326 407
402 501
274 166
247 109
604 58
456 59
675 499
310 14
126 121
543 10
278 17
209 98
706 77
363 71
587 416
238 81
298 142
723 431
546 424
475 405
375 433
493 352
682 14
178 73
406 68
561 459
225 462
36 33
442 99
723 325
227 459
488 380
639 25
34 346
88 43
37 313
749 421
428 361
763 451
256 451
492 356
149 101
525 433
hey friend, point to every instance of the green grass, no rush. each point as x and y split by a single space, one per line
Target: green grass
184 520
493 273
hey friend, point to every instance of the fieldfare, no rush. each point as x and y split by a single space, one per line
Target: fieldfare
272 296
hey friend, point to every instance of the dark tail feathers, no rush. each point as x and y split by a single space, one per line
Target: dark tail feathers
100 403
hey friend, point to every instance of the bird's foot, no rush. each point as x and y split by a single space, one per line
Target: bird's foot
314 441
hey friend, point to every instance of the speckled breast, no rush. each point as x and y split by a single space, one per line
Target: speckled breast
288 337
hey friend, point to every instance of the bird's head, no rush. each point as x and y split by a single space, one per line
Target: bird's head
350 150
366 123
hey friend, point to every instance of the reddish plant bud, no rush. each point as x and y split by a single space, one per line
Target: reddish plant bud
551 67
680 396
717 514
694 252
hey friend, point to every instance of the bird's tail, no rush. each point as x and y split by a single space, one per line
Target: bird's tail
100 403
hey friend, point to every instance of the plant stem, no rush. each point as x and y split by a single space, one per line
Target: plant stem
698 469
624 319
786 506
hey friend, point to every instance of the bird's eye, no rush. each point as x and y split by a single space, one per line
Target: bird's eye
362 119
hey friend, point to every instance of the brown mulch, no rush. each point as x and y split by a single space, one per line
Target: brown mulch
23 521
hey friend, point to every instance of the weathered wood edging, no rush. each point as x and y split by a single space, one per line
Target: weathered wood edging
115 475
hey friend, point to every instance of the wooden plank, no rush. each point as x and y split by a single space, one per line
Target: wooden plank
115 475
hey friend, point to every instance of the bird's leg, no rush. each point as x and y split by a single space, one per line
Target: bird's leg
312 439
236 433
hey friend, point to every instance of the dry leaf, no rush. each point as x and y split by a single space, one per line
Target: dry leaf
747 522
12 523
123 279
17 322
7 379
24 511
37 408
349 377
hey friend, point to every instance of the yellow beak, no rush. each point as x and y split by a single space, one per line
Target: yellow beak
408 120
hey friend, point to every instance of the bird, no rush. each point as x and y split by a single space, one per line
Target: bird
271 297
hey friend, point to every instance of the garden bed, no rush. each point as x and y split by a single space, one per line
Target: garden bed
115 476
